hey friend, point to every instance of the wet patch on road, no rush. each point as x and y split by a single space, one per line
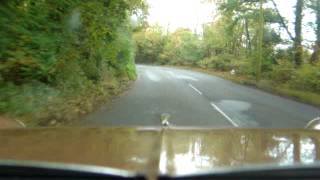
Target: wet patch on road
237 111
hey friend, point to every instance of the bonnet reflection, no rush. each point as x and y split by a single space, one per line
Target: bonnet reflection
293 150
206 153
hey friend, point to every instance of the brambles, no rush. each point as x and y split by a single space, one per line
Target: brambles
69 48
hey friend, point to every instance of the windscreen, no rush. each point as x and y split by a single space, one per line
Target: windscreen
214 64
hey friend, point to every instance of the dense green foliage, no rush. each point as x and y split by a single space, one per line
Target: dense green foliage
180 47
242 39
149 44
55 51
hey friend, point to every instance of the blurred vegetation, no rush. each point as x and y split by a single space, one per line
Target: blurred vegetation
242 39
60 58
55 53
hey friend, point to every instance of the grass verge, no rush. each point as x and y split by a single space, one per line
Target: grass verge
37 105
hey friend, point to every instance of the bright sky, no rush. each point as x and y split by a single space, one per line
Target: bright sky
180 13
192 14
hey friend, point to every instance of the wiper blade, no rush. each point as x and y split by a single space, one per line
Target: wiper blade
35 169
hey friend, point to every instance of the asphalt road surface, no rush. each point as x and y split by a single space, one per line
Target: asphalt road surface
199 100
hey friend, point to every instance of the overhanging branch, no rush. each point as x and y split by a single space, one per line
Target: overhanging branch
282 21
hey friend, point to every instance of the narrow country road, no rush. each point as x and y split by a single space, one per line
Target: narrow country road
201 100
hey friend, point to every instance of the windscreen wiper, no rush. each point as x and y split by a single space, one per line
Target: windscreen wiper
12 169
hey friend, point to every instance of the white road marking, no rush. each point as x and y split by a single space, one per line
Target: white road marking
187 77
177 76
194 88
170 72
21 123
224 114
152 76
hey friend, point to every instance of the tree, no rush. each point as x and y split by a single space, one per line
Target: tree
260 42
282 21
183 47
298 36
315 6
239 16
215 37
149 44
297 40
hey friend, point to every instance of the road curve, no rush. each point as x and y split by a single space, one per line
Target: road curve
201 100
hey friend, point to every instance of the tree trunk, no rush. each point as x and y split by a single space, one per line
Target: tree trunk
248 39
316 53
239 46
298 38
260 42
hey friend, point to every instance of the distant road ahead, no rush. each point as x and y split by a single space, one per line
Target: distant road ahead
197 99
